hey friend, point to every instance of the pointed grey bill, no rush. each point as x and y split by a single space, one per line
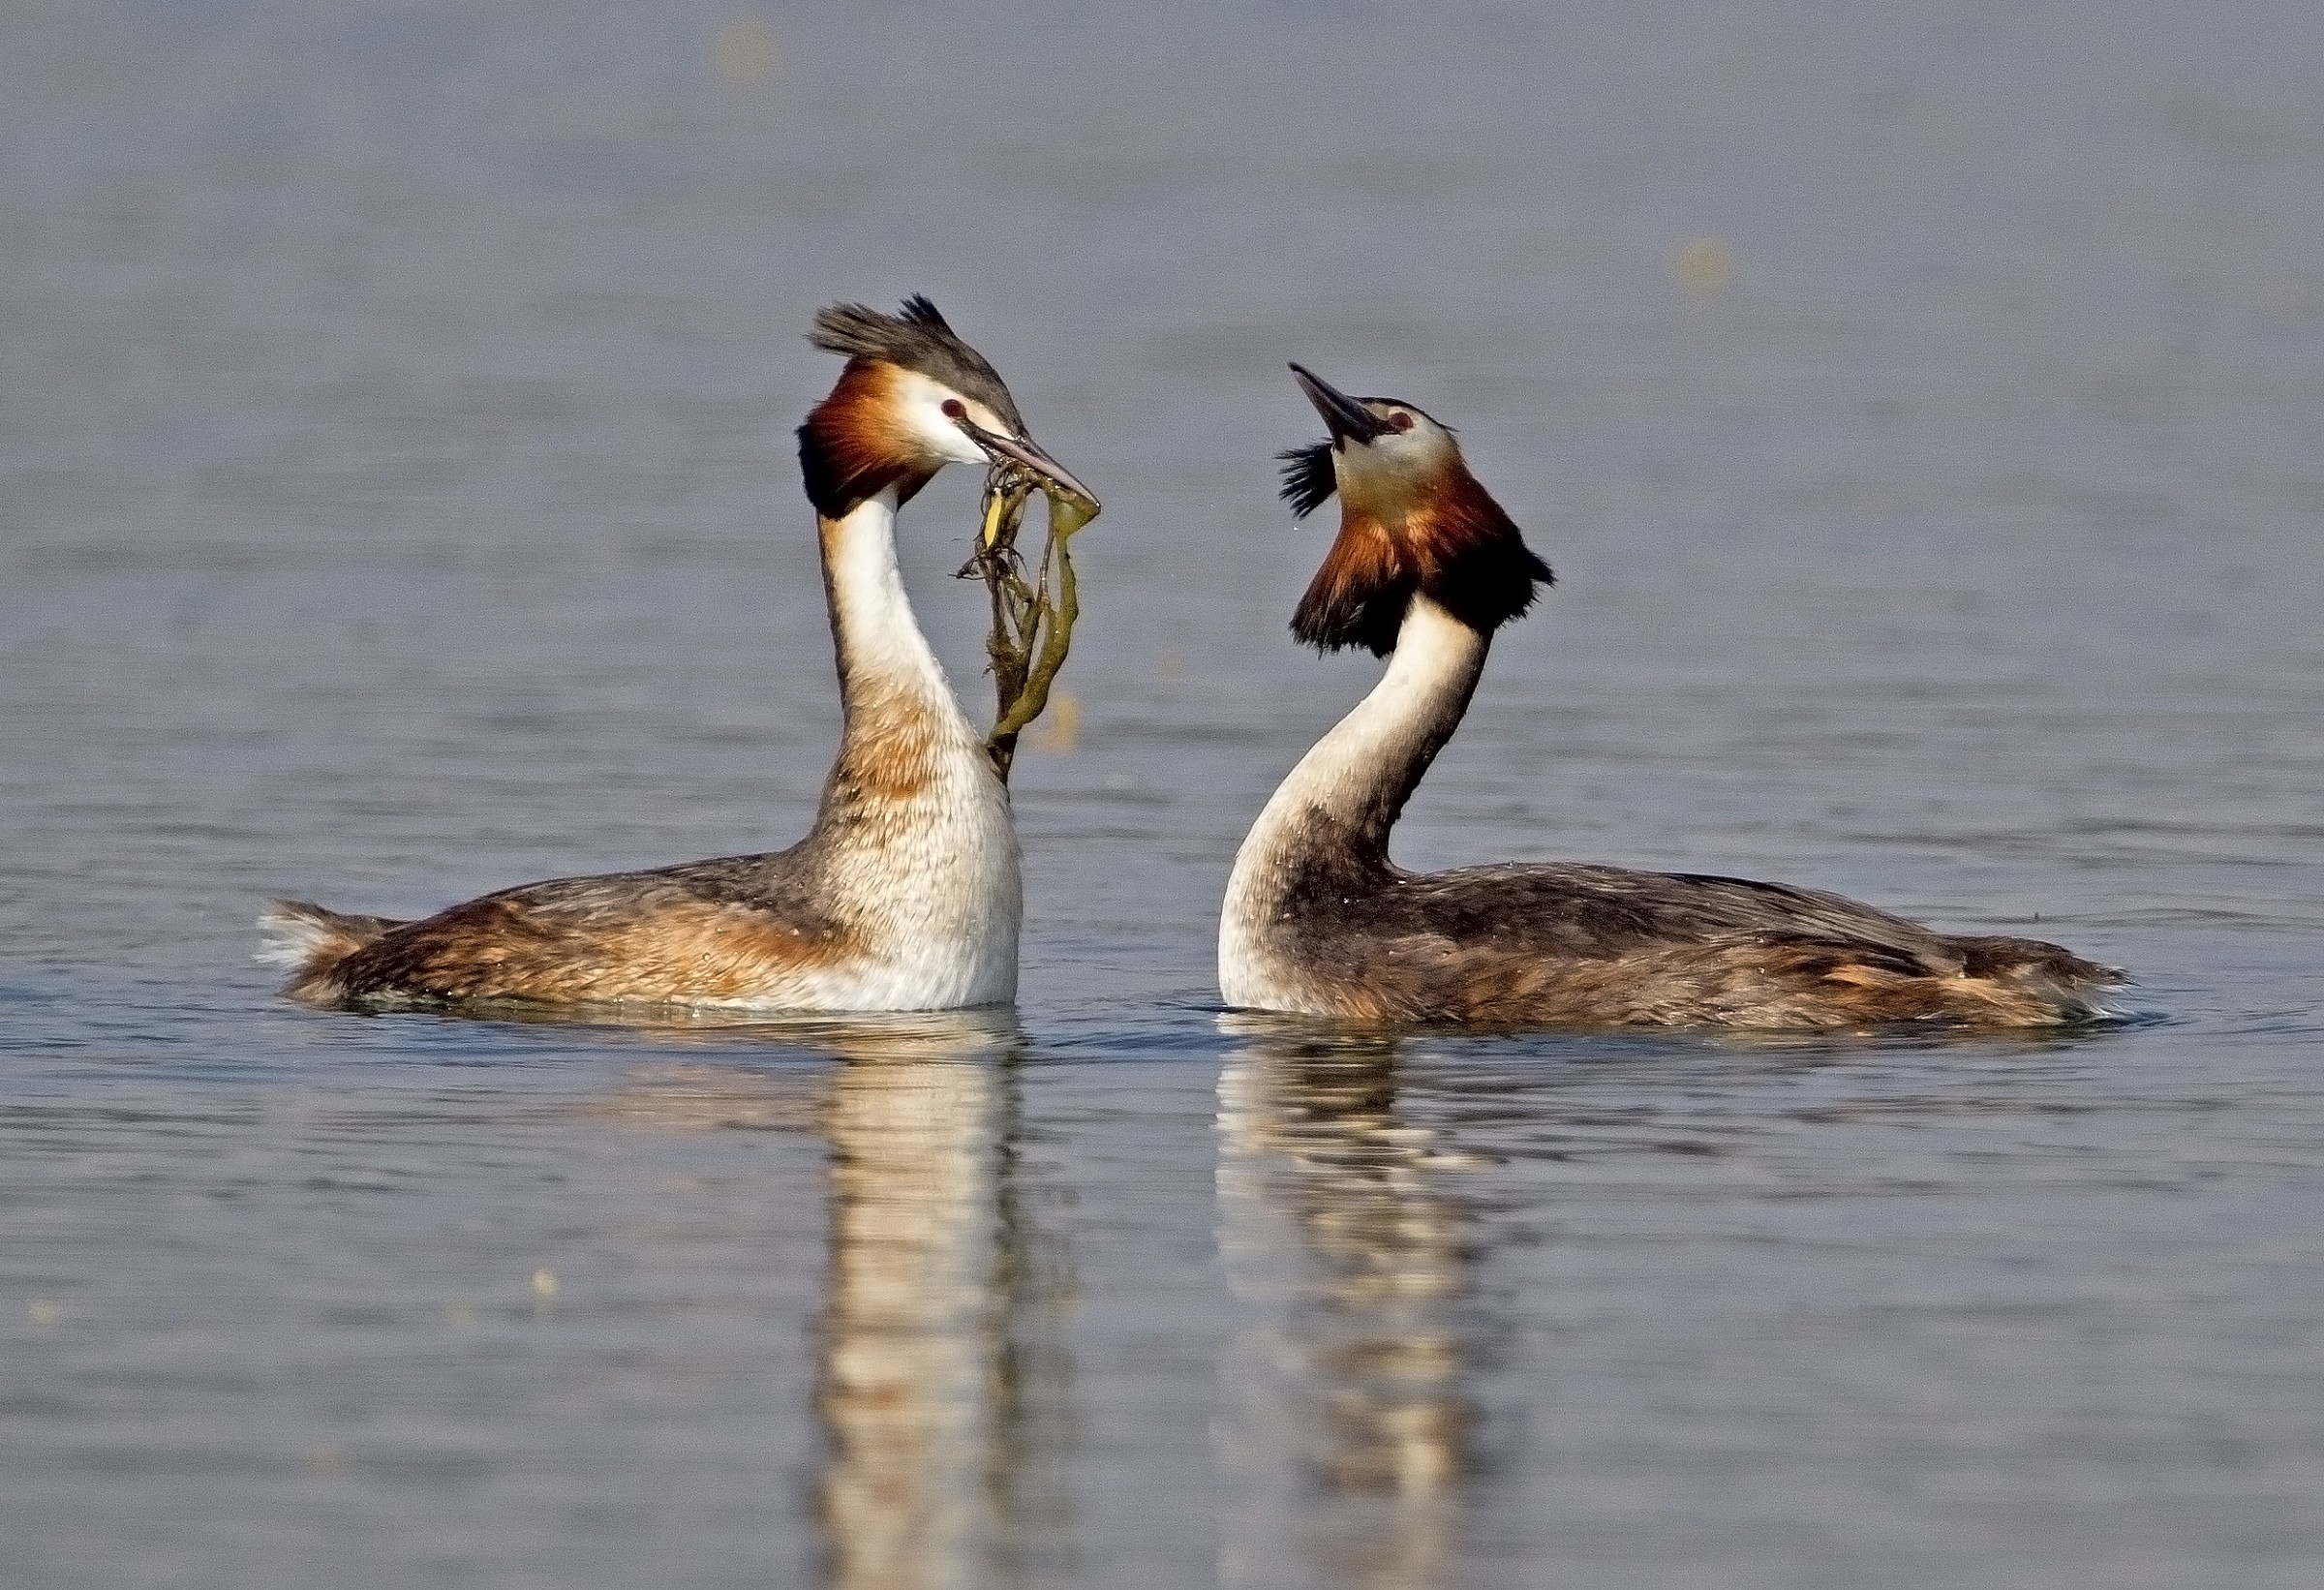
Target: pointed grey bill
1349 421
1023 450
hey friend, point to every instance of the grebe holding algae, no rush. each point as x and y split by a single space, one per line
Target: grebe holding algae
1318 920
906 894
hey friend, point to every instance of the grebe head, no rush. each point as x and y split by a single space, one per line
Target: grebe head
1412 521
914 398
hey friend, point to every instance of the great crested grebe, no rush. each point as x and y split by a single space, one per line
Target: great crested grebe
1318 921
904 895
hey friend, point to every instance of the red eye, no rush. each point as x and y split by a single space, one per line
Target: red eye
1400 420
955 409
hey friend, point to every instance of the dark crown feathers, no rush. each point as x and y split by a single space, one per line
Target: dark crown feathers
916 339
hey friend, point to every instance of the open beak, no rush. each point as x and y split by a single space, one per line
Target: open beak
1349 421
1023 450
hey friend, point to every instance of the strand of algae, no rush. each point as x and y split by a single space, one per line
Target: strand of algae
1032 619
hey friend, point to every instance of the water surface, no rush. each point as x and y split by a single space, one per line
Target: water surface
1923 412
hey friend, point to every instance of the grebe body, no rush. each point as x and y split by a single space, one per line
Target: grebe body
1318 921
906 894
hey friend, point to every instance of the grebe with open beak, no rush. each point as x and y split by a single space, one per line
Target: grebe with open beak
906 894
1318 921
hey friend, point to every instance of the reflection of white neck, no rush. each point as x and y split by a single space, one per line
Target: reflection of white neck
882 654
1350 1368
907 1371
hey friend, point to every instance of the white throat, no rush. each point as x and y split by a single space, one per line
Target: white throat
881 650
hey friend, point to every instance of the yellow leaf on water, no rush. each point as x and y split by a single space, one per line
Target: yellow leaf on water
1065 722
744 55
1703 267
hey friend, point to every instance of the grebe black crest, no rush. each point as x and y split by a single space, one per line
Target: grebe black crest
1318 921
903 895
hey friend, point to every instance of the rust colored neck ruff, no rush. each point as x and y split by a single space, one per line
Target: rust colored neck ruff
1407 529
853 445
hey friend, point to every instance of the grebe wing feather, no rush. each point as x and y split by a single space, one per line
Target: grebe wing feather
1588 911
733 928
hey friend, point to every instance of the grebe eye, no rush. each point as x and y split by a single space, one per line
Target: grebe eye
955 409
1400 420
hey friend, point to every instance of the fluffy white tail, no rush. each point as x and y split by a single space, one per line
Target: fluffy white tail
305 938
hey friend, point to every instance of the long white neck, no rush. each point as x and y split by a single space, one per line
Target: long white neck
887 669
915 847
1332 815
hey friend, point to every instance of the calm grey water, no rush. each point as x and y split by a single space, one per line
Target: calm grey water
1925 412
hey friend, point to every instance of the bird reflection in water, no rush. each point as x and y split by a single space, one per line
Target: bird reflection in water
1348 1437
944 1384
